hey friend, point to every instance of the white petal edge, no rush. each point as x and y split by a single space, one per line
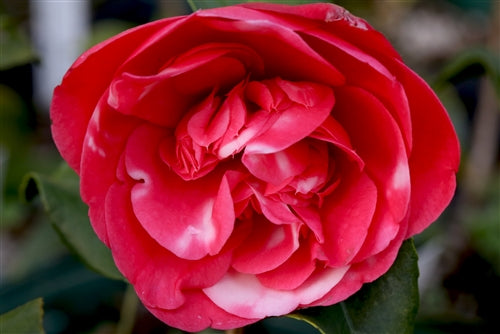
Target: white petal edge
243 295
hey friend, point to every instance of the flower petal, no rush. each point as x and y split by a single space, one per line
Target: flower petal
191 219
347 215
364 70
331 131
76 98
168 94
365 271
250 299
435 156
280 166
104 143
272 40
310 105
267 247
292 273
378 141
157 275
198 313
274 209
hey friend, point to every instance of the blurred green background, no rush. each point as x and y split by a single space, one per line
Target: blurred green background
453 44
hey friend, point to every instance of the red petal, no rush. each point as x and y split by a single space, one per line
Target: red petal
364 70
267 247
292 273
277 167
250 299
76 98
378 141
191 219
323 12
166 96
274 209
206 122
347 215
157 275
198 313
271 40
435 156
331 131
104 144
310 215
307 110
363 272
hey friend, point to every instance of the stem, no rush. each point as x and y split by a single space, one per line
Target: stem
192 5
127 312
235 331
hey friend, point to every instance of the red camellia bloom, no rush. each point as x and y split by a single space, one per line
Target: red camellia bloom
247 161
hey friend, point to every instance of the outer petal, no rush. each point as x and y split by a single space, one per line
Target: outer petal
167 95
85 82
191 219
271 40
198 313
435 155
364 70
378 141
104 143
168 286
351 44
364 272
157 275
251 299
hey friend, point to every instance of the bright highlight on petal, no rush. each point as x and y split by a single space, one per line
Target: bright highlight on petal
244 296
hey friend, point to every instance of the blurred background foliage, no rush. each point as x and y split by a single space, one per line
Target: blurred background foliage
453 44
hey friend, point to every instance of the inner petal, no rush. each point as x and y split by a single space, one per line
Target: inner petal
191 219
292 273
279 166
299 114
267 247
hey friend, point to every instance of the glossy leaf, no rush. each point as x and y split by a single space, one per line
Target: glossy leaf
27 318
59 194
387 305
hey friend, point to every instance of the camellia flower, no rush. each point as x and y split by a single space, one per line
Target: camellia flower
246 161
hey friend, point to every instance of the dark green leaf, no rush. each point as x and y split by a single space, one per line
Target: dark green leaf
25 319
204 4
15 45
60 196
387 305
476 56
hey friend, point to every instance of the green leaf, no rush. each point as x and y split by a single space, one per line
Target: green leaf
481 56
204 4
60 197
15 45
25 319
387 305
